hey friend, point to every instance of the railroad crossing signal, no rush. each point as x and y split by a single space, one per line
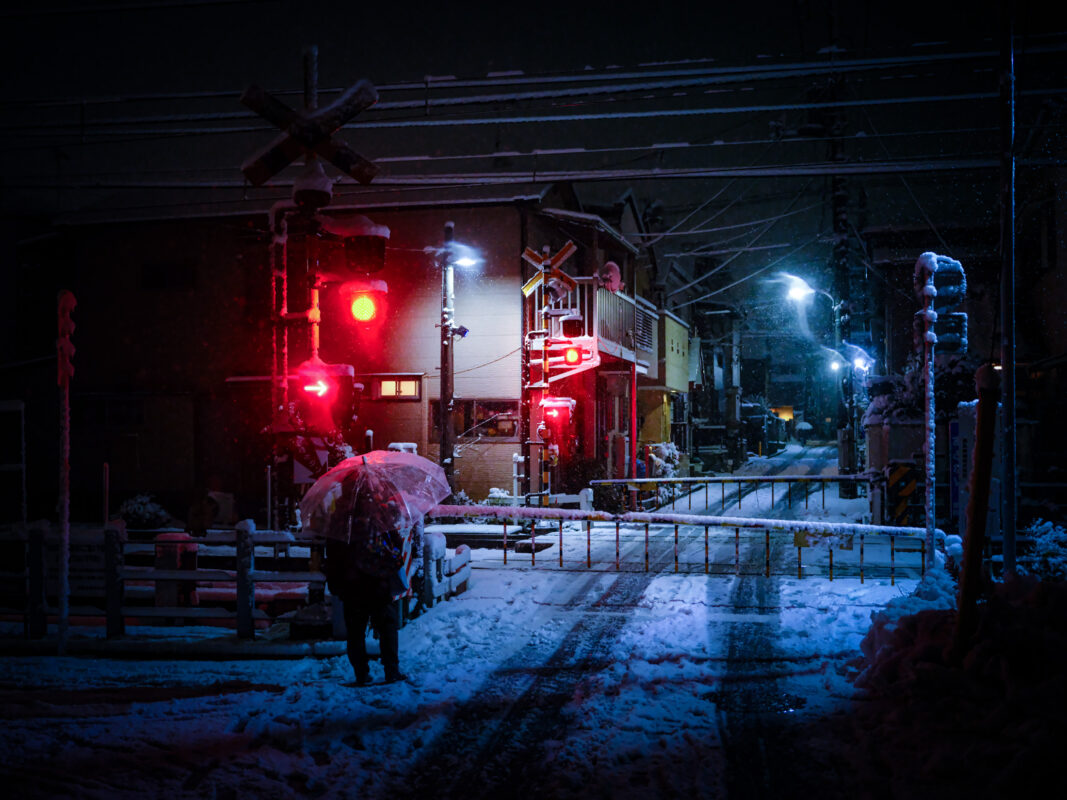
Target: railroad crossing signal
309 132
548 268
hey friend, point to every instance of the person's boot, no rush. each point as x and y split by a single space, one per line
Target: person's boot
362 676
394 675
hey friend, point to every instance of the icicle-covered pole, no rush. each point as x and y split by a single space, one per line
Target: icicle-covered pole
925 268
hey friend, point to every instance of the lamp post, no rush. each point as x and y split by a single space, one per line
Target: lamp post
854 359
451 255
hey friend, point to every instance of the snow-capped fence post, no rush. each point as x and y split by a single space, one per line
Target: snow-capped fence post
115 588
246 590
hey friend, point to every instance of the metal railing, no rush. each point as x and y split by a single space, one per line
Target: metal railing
644 489
590 547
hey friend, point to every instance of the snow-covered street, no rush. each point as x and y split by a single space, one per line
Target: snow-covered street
536 682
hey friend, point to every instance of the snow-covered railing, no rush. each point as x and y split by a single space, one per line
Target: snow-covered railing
175 577
444 576
823 537
677 486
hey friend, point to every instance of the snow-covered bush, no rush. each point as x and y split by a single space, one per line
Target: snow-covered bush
936 591
1047 557
142 511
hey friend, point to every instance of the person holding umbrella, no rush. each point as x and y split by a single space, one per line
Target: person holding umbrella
366 508
365 572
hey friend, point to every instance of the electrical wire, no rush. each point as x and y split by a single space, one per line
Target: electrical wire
479 366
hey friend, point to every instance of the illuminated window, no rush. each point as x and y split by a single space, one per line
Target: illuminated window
397 387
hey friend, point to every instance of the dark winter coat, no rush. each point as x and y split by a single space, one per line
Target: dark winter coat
370 563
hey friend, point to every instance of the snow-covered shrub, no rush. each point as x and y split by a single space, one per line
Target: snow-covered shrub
1047 557
142 511
936 591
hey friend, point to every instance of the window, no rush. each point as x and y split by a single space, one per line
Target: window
396 387
494 419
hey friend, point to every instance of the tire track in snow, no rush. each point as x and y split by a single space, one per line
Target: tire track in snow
493 745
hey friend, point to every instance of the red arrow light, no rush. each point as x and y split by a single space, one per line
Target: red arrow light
320 387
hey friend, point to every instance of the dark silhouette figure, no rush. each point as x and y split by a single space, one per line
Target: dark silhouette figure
368 596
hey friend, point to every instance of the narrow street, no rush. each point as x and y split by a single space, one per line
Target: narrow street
537 682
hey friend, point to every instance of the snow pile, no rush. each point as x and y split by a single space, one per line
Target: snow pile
935 593
991 725
143 512
1047 557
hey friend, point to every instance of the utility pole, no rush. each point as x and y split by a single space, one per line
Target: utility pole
1007 290
839 266
448 438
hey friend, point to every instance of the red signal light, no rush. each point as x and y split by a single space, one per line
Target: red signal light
319 387
364 307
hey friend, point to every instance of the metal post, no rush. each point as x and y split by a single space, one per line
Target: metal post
928 263
633 423
616 546
1007 293
588 545
561 544
66 304
524 368
447 363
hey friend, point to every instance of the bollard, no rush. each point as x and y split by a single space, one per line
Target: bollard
588 545
115 588
561 544
246 590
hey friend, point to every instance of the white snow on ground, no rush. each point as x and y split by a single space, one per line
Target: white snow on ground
642 716
109 728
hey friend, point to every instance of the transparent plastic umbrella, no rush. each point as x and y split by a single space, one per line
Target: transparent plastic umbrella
382 489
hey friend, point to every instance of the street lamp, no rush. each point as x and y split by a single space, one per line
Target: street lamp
800 292
844 356
452 254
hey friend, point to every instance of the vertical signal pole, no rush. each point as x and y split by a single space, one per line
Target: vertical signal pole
545 324
552 282
927 264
